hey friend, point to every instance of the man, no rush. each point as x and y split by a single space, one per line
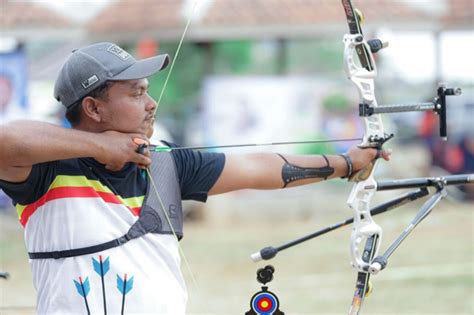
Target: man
79 191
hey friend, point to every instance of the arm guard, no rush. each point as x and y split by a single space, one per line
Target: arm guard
291 172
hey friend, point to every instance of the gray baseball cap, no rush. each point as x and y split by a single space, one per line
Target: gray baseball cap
89 67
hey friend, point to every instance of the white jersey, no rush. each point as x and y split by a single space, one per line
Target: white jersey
77 203
77 212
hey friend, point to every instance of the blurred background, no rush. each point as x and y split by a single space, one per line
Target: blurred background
269 71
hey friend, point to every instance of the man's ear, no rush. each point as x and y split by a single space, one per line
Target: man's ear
91 108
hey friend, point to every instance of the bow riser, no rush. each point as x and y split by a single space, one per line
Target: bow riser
363 79
364 226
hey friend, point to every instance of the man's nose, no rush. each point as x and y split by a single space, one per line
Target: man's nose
151 103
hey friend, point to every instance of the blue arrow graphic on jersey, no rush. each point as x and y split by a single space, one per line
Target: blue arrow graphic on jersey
124 286
102 267
83 288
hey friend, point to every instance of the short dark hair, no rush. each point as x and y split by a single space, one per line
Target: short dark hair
73 112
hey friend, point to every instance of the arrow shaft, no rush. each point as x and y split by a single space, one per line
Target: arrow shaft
265 144
103 286
84 295
124 288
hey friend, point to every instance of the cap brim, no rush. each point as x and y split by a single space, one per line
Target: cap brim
143 68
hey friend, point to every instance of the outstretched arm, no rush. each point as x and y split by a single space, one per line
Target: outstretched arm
273 171
25 143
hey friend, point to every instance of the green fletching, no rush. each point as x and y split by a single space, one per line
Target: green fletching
161 148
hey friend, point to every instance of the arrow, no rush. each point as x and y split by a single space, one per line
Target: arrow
101 268
142 145
124 286
83 288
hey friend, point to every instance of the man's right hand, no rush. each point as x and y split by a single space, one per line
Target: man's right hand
26 143
116 149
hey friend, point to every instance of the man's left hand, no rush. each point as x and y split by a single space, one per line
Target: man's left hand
362 157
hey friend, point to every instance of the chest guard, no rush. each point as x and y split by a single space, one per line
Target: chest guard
152 218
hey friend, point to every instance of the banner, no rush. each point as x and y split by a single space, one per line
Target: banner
13 85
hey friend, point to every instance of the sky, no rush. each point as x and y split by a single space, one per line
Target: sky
79 10
412 55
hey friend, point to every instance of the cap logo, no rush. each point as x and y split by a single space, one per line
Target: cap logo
92 80
119 52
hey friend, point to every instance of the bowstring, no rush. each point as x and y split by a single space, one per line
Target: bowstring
153 184
180 248
178 49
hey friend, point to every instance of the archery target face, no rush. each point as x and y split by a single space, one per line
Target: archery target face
264 303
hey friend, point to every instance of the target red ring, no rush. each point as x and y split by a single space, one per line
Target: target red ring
265 304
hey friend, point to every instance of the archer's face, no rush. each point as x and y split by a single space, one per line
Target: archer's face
129 108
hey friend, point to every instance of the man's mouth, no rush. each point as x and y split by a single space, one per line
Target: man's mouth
150 119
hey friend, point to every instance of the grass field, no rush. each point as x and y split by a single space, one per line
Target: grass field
431 273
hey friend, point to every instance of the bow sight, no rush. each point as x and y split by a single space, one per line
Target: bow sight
438 105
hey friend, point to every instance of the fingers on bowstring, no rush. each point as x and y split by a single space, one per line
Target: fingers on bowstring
142 145
143 156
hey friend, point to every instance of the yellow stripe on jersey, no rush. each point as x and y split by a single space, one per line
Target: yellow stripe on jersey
78 181
133 202
82 181
20 209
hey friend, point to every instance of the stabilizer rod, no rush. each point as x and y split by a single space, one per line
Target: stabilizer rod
425 182
380 262
270 251
4 275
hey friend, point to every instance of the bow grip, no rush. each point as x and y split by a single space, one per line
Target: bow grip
376 142
363 173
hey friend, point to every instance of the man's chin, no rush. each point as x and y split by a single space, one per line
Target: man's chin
149 133
149 129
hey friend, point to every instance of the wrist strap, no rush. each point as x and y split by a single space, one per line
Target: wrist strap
350 168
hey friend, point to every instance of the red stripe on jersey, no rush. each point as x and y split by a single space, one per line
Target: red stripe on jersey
71 192
136 210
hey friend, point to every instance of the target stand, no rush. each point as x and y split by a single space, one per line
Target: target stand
265 302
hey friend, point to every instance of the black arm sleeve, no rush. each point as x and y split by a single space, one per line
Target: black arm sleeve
197 171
